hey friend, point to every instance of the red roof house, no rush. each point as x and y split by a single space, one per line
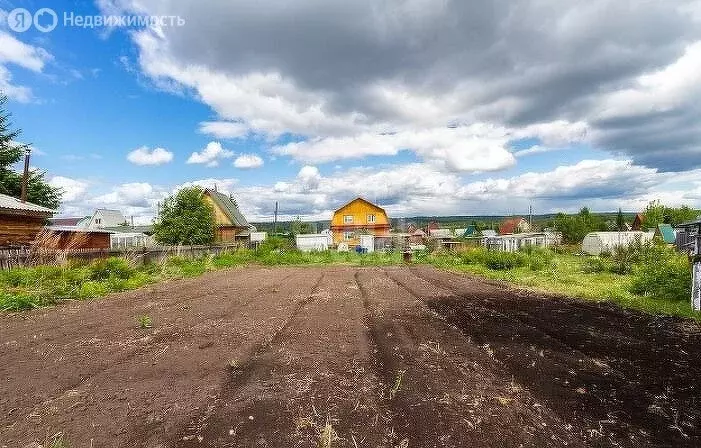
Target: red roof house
514 225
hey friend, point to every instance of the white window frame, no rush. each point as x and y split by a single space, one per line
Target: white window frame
372 219
347 219
347 236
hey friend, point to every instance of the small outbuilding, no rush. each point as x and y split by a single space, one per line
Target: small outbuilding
230 222
312 242
73 238
596 243
665 233
20 222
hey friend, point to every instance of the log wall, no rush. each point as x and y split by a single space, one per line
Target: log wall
18 230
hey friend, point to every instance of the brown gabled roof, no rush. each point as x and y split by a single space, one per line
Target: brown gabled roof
66 221
509 225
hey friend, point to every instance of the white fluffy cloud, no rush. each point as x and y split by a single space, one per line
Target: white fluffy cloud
248 161
223 129
15 52
587 179
210 155
145 156
343 74
419 189
73 189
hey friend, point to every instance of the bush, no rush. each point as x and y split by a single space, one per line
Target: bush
662 274
91 289
594 265
500 261
538 258
17 302
111 268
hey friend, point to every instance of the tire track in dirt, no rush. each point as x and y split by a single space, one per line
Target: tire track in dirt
208 422
137 345
313 373
461 389
145 358
627 382
155 432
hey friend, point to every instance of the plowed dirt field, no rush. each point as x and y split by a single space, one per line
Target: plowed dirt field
354 357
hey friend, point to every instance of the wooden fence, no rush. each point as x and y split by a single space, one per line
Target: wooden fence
30 256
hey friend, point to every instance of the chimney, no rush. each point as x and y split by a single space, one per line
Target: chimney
25 177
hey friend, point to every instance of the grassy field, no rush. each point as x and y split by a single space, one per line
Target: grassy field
572 275
654 280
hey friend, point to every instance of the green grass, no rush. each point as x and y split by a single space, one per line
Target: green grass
656 280
28 288
573 276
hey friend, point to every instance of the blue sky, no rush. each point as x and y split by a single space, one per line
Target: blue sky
313 103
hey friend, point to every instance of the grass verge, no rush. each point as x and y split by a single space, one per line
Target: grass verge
652 279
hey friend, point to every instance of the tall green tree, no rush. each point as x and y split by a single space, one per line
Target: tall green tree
620 221
654 214
575 227
11 152
185 218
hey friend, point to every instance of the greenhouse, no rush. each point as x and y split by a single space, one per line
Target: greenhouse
596 243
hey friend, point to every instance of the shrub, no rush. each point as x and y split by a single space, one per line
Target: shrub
111 267
17 302
500 261
473 256
91 289
662 274
538 258
594 265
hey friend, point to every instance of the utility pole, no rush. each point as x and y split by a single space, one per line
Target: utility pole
275 219
530 215
25 177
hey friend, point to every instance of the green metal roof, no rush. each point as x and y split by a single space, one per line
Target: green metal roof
229 207
667 233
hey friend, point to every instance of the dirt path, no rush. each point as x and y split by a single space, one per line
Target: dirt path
361 357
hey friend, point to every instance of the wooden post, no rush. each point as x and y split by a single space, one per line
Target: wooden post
696 284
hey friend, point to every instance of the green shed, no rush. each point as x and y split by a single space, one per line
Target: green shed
666 233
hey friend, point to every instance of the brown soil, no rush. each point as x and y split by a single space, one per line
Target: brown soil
363 357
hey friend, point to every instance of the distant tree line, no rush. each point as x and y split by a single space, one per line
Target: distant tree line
575 227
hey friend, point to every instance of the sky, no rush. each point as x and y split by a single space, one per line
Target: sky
426 107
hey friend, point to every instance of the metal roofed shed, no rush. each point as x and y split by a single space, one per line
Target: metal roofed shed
596 243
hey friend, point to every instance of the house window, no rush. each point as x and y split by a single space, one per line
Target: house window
98 221
371 219
347 219
347 236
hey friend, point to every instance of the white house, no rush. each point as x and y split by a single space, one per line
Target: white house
102 218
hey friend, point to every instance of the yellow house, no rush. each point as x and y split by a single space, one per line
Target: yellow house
231 223
356 218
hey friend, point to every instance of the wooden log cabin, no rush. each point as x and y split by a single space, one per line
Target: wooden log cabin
20 222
